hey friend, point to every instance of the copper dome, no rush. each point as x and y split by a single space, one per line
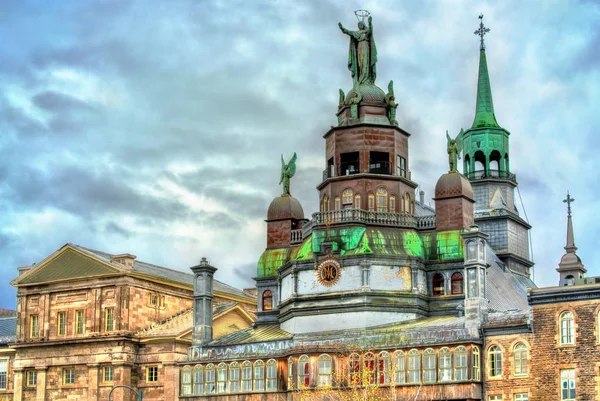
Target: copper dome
285 207
452 185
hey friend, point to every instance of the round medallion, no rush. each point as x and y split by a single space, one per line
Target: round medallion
328 272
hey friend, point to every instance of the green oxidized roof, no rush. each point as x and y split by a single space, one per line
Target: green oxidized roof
484 114
443 245
271 260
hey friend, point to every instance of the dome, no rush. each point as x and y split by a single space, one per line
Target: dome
285 207
453 184
570 259
371 94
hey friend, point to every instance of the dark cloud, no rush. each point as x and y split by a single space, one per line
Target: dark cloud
113 228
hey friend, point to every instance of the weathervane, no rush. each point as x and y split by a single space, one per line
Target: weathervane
481 31
568 201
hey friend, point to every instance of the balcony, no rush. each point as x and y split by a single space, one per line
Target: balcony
380 168
481 174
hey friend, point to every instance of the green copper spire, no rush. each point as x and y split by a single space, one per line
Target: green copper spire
484 114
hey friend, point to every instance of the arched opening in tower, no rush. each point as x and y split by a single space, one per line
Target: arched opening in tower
480 163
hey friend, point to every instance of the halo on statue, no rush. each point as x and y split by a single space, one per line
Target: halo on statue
361 15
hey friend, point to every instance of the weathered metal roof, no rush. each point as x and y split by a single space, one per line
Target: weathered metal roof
8 330
253 335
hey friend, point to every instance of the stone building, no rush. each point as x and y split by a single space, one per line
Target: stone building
88 321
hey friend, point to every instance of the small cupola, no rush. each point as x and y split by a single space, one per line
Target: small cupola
453 202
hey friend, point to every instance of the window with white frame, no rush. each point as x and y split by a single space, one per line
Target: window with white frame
246 376
460 363
399 368
520 359
209 379
198 380
567 328
234 377
303 372
3 373
429 368
259 376
476 364
186 380
31 378
567 384
324 374
383 368
445 364
222 378
497 397
494 361
521 397
414 366
271 375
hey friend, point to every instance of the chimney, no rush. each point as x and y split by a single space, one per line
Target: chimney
422 198
125 259
203 302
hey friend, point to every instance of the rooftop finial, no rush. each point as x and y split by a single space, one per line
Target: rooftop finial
481 32
568 201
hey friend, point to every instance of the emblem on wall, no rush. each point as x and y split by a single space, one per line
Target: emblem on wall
329 271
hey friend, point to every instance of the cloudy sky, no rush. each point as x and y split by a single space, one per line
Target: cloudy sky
156 127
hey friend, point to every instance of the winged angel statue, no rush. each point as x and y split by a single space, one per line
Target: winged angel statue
287 172
455 146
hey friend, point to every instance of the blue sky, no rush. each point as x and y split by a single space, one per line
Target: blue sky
156 128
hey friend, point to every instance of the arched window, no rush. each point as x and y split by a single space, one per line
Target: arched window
382 195
429 369
222 378
414 366
437 285
186 380
357 201
347 196
354 369
303 372
569 280
479 159
246 376
567 328
393 204
456 283
259 376
198 380
406 203
494 361
476 364
399 368
271 375
445 364
209 378
267 300
471 250
495 163
290 383
460 363
337 203
369 371
520 359
324 379
383 368
371 202
234 377
325 203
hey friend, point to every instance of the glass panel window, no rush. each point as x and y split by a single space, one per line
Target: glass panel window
354 369
3 373
347 196
259 376
445 364
31 378
186 381
368 375
108 373
476 364
456 283
303 372
460 363
497 397
267 300
383 368
290 383
371 202
437 285
61 323
246 376
79 322
414 366
338 203
392 204
400 166
152 374
382 195
69 376
324 379
495 361
34 326
357 201
271 375
520 359
521 397
567 328
209 378
222 378
109 319
567 384
429 369
198 380
399 368
234 377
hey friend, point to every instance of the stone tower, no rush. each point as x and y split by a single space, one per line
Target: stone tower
486 163
570 267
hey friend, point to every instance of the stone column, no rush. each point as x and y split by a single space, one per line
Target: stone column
18 384
92 381
123 371
203 302
40 391
171 381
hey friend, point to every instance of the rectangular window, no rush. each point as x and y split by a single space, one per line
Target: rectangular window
34 326
152 374
186 382
247 377
31 378
495 398
357 201
79 322
567 384
109 319
153 300
222 378
69 376
108 373
161 301
371 202
3 373
400 166
522 397
62 323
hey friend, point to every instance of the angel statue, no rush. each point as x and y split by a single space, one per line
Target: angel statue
454 149
287 172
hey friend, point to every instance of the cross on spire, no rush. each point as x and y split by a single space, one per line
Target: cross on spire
568 201
481 31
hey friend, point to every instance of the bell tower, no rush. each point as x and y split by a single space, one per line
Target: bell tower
486 164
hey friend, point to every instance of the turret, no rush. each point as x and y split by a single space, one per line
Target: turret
476 303
570 267
203 302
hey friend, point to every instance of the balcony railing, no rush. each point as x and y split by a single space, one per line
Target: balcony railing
481 174
296 236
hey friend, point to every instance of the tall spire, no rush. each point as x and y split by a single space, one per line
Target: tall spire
484 114
570 267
